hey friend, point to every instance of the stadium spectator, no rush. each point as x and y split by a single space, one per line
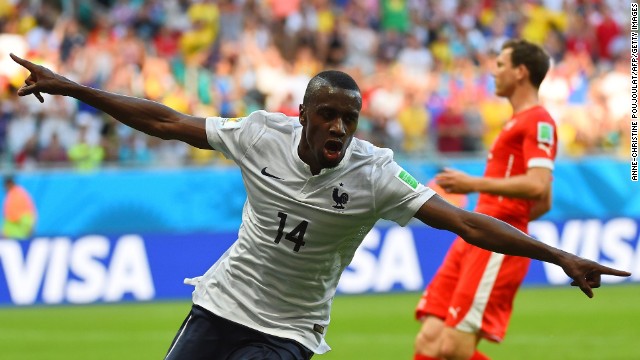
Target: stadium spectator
134 150
84 155
450 128
414 120
394 16
27 156
204 18
361 44
606 31
471 296
19 211
362 37
313 193
56 119
414 59
22 127
475 128
54 153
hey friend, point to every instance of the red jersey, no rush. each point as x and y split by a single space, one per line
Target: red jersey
527 140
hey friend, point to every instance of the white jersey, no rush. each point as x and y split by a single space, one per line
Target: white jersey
299 231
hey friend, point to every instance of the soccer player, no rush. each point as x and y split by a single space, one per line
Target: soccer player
313 193
471 295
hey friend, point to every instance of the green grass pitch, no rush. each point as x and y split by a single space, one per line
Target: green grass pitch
548 323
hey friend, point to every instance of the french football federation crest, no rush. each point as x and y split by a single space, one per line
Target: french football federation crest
340 199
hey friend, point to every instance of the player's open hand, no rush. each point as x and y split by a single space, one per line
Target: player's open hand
586 274
40 80
454 181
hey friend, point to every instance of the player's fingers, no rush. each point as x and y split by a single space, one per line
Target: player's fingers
445 185
443 178
611 271
594 277
26 63
30 80
27 90
582 283
592 284
586 289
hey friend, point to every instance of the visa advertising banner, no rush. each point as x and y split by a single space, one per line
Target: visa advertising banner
144 267
134 235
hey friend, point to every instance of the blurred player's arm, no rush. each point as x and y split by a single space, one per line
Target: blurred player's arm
540 206
144 115
534 184
497 236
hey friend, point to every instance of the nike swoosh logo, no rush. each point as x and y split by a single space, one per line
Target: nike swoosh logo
265 173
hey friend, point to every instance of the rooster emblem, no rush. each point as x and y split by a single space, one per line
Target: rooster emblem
340 199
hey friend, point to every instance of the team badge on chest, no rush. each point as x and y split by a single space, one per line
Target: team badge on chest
339 198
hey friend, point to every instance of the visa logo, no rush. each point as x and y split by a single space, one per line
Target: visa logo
614 243
397 263
82 271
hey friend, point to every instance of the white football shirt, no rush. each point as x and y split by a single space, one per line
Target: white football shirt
299 231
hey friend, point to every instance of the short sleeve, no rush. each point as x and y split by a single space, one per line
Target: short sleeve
398 195
233 137
540 144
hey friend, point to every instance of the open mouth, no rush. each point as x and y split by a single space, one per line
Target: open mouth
332 149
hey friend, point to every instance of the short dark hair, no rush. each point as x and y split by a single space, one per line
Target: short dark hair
532 56
332 78
9 180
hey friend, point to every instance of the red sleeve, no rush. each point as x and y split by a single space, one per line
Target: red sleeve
540 142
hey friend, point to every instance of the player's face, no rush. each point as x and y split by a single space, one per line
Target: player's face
330 120
504 74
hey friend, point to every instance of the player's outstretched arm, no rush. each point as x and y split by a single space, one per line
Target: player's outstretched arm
147 116
497 236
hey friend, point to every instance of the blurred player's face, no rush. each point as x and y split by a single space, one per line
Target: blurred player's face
504 74
330 120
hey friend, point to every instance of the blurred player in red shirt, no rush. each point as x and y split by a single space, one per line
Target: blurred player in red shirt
471 295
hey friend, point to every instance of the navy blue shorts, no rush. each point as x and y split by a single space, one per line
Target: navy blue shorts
204 335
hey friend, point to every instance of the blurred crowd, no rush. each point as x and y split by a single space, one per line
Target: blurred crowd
424 68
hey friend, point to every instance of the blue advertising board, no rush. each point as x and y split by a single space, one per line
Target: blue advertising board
143 267
136 234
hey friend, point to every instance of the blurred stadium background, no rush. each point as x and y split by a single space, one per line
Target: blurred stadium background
123 217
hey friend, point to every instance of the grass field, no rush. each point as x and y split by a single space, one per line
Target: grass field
549 323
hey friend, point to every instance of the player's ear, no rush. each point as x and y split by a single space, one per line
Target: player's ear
523 72
303 116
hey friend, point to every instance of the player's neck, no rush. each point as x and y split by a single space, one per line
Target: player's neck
523 99
304 153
